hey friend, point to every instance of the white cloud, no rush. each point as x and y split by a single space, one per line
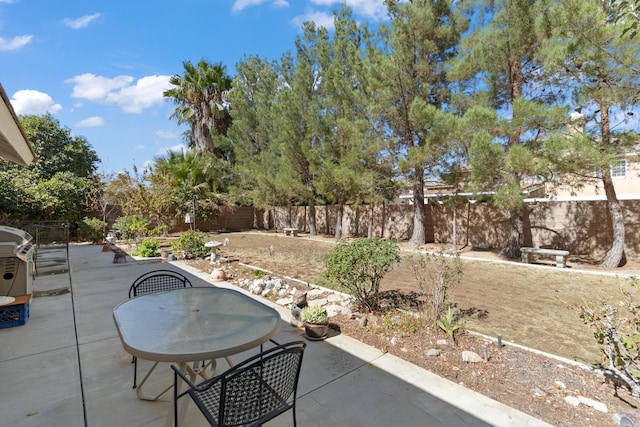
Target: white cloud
168 134
371 9
15 43
145 93
33 102
240 5
90 122
321 19
95 88
132 98
81 22
6 1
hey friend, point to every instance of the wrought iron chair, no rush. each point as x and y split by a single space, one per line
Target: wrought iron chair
250 393
150 282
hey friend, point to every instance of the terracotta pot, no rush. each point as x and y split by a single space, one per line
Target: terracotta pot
218 275
316 331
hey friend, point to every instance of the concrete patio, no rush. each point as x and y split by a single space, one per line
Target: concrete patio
66 365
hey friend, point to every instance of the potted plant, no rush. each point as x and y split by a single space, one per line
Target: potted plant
316 322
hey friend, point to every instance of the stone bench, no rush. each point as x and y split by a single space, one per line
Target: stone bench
559 254
290 231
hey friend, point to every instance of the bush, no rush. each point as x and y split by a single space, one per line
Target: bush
358 267
92 229
616 324
132 226
148 247
437 276
191 243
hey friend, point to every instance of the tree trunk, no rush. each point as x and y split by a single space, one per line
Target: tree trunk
514 242
615 257
418 235
313 229
454 232
339 213
370 222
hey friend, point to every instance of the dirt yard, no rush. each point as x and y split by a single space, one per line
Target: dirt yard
526 305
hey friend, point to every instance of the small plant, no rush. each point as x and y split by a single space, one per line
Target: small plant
450 323
191 243
401 324
314 314
148 247
259 274
359 266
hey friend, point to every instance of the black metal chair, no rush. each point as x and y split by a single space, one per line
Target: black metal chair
250 393
150 282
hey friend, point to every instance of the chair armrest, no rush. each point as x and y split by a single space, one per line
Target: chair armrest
199 388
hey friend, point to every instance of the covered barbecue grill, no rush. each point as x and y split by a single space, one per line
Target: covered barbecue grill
16 261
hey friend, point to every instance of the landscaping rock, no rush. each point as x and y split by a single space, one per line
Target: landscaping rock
598 406
471 357
442 342
432 352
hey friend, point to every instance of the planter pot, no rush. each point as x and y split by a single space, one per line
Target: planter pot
316 331
164 253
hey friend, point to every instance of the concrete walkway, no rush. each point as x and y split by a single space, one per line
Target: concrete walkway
66 367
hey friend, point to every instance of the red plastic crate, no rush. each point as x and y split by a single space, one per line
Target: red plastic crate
16 313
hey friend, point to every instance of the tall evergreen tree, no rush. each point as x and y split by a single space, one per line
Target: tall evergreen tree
409 79
348 148
503 51
258 156
592 59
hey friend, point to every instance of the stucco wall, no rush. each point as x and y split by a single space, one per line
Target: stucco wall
583 228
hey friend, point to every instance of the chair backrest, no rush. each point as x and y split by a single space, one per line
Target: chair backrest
260 388
158 280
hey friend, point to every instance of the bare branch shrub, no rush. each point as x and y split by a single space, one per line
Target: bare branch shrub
437 275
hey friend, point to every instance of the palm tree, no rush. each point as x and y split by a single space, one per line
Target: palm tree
200 96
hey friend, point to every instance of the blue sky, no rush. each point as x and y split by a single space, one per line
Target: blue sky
100 67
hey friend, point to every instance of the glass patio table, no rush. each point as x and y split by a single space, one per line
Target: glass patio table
190 325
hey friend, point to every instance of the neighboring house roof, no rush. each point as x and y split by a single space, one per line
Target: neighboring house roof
14 145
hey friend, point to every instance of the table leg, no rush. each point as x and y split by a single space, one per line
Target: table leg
140 392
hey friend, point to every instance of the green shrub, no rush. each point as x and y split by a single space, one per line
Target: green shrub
92 229
258 274
161 230
359 266
148 247
132 226
191 243
314 314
